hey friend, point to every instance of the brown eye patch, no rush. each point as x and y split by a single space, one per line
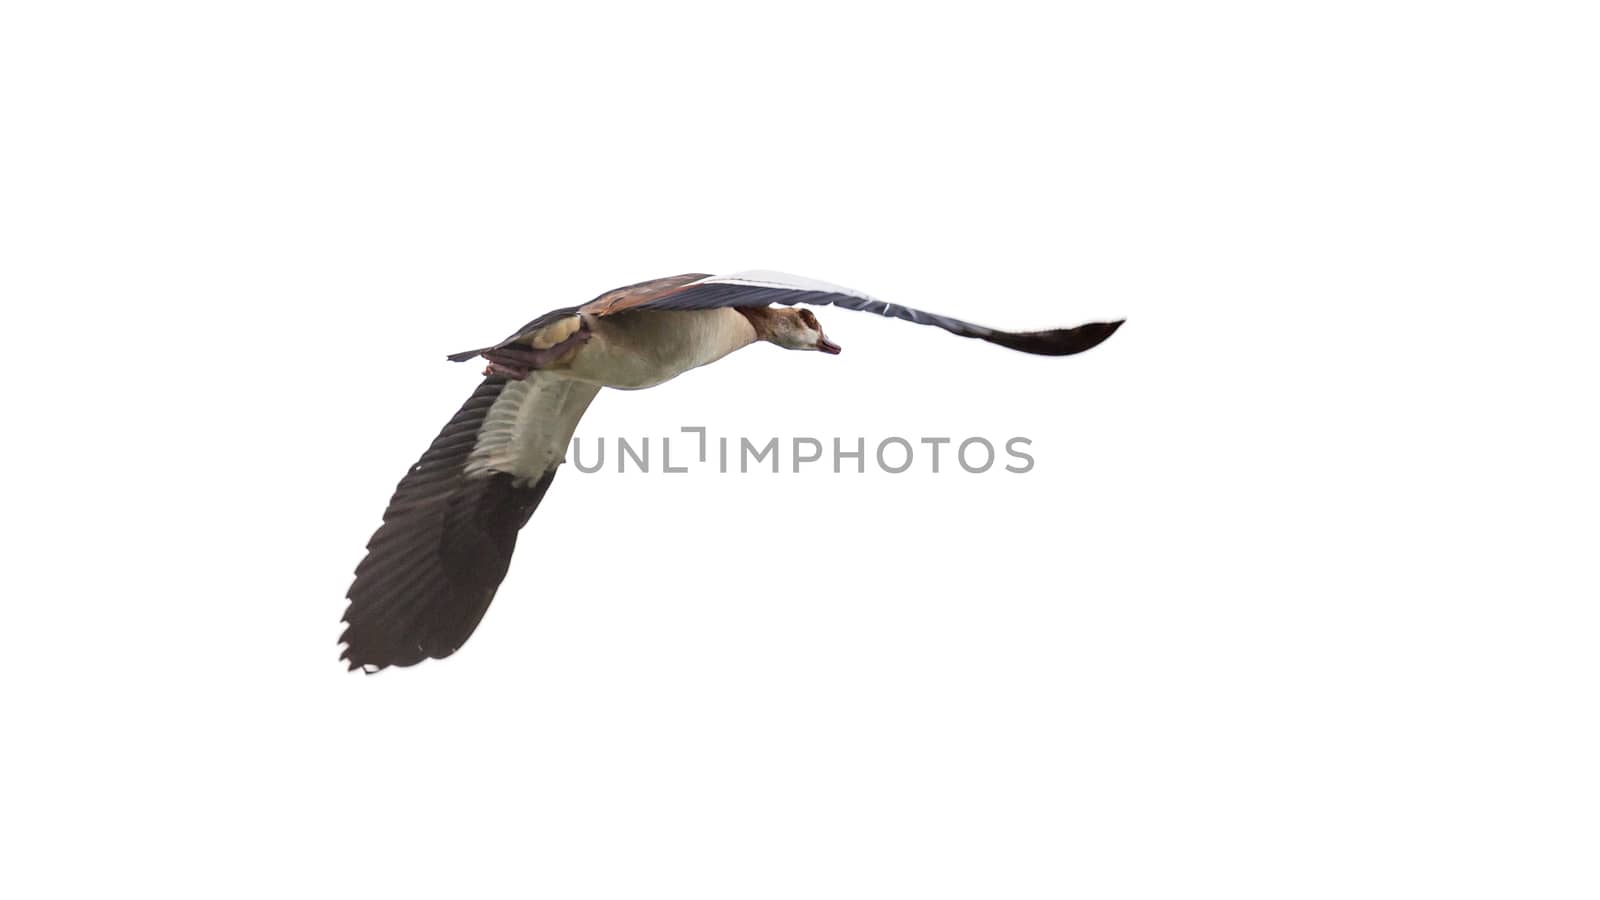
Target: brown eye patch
808 318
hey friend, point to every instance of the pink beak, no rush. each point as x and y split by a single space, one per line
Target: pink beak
827 346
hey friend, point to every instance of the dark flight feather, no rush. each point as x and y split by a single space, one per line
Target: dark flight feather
446 541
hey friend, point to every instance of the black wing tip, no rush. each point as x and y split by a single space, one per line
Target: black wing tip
425 588
370 650
370 663
1060 341
465 355
357 652
355 665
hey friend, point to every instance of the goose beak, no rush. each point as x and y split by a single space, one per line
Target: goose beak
827 346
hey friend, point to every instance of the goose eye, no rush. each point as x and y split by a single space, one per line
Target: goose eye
808 318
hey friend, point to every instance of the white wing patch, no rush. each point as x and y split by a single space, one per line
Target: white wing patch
768 279
527 429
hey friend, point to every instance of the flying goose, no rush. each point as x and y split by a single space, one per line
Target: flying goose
434 564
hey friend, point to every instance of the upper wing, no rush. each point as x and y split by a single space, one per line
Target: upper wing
763 288
611 301
434 565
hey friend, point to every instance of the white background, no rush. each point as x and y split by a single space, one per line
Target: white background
1299 600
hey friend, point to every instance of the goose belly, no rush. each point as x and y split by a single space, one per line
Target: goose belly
642 349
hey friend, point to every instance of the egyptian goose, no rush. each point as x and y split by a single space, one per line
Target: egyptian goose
446 539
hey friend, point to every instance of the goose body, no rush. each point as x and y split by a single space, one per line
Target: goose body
647 347
446 541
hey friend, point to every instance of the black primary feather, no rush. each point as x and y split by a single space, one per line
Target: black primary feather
446 540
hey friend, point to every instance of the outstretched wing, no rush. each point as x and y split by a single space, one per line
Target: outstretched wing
745 289
434 565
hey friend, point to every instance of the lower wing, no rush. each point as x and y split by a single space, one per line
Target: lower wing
434 565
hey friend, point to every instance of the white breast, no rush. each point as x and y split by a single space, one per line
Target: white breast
643 348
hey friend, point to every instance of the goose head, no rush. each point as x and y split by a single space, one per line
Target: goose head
793 328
